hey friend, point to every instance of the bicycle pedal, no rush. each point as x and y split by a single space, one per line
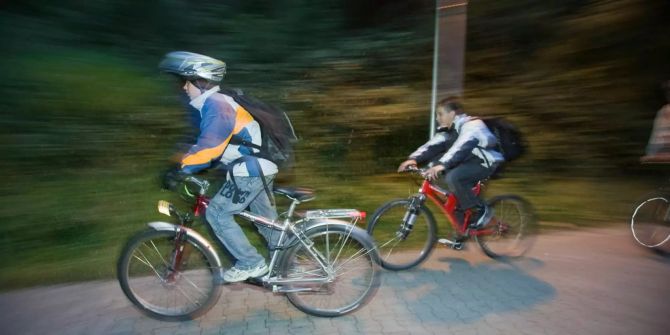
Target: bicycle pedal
446 241
458 246
258 281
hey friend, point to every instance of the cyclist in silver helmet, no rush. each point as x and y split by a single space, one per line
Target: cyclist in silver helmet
220 118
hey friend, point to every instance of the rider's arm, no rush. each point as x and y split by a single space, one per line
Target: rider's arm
466 141
216 128
431 149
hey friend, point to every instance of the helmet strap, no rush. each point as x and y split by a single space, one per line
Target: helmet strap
202 85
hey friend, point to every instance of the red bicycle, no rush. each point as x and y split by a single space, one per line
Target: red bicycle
406 232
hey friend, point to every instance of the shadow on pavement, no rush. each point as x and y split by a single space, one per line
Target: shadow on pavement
465 292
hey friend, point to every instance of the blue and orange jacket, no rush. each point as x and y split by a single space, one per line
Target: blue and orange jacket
220 118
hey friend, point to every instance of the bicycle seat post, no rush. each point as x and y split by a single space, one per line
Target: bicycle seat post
291 208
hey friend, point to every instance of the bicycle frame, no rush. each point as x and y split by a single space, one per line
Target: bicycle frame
449 205
288 228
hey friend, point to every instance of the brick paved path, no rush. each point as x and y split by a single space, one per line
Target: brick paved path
592 281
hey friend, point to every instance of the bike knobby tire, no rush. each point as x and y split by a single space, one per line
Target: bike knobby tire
146 273
512 230
398 248
345 249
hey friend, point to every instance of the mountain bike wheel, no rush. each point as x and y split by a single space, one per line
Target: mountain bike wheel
511 232
650 222
350 253
398 250
147 276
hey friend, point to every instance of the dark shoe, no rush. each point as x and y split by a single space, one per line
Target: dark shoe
480 216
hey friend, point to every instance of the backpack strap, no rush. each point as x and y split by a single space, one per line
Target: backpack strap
238 140
481 149
243 159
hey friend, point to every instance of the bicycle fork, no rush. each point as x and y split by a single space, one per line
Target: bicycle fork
410 216
180 254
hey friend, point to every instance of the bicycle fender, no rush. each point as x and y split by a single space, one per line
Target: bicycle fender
332 222
166 226
311 224
329 222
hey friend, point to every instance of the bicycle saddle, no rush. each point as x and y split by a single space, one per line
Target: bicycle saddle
298 193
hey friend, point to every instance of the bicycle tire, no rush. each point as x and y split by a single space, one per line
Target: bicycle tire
650 221
351 253
145 278
396 253
512 230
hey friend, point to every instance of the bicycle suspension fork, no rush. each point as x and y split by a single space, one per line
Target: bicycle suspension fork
411 214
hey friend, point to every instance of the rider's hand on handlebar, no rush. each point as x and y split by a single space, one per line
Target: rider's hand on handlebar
172 177
434 172
404 165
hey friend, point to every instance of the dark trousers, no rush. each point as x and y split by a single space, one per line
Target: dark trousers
463 178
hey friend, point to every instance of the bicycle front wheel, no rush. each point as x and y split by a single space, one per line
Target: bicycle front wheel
511 232
349 254
165 283
401 247
650 222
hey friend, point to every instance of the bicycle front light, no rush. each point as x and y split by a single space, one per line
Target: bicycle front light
165 207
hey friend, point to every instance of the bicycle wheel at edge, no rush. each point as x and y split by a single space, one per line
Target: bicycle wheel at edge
650 221
511 232
396 253
144 273
350 253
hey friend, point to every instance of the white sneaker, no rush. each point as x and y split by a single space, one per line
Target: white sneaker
234 274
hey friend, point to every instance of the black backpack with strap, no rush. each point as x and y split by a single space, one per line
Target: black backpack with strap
511 143
277 133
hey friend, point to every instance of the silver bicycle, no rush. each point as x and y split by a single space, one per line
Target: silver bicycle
324 264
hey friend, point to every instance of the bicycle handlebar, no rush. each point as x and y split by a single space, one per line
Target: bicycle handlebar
202 184
175 180
413 169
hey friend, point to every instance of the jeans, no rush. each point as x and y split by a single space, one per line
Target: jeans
463 178
231 200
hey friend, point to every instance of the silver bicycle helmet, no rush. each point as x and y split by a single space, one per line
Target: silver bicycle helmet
193 66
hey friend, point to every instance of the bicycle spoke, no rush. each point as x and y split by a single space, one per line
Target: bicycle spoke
401 247
507 235
179 295
146 262
354 276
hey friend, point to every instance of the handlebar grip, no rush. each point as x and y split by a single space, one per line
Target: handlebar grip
171 178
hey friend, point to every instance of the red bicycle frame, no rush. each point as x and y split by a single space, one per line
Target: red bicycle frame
449 205
201 203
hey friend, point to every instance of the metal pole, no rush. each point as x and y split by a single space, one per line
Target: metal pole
436 44
448 52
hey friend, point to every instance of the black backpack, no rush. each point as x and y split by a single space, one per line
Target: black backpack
277 131
510 140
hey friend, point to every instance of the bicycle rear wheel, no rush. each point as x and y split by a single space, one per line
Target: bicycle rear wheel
511 232
350 253
400 249
147 274
650 222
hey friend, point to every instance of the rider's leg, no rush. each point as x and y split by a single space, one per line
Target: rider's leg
462 179
229 201
262 206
